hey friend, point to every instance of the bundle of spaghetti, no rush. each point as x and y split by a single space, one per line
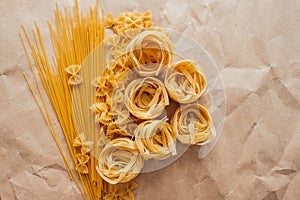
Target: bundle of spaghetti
185 81
73 38
155 139
192 124
146 98
150 52
119 161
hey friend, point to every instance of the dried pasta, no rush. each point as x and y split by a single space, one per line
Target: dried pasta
127 107
119 161
126 21
114 131
102 113
155 139
146 98
150 52
81 142
74 35
74 77
185 81
192 124
81 166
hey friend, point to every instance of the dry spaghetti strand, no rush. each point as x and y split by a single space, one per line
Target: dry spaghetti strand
73 38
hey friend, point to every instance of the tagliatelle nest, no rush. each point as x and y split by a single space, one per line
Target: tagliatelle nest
146 98
150 52
136 87
126 107
192 124
119 161
155 139
142 80
185 81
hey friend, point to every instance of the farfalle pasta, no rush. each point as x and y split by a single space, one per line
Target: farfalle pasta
127 107
129 125
146 98
126 21
102 113
104 85
150 52
81 166
155 139
119 161
113 131
119 67
73 72
185 81
81 142
192 124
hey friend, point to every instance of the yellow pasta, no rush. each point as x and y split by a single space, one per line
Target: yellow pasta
127 21
150 52
129 125
81 166
185 81
192 124
102 113
113 131
131 33
112 40
119 67
146 98
74 77
81 142
155 139
119 161
104 85
73 37
110 145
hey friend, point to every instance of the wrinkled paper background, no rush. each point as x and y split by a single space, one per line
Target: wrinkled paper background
256 46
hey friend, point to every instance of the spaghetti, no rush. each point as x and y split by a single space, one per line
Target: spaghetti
111 118
74 37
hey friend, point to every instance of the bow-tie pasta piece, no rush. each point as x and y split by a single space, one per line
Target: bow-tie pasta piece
185 81
192 124
73 72
127 21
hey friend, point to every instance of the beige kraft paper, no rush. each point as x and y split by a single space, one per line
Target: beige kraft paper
256 46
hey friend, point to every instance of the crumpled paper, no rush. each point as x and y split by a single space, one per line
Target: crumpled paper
255 45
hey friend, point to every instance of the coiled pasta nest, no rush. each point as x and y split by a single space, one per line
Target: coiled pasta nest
155 139
185 81
146 98
119 161
143 79
192 124
150 52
